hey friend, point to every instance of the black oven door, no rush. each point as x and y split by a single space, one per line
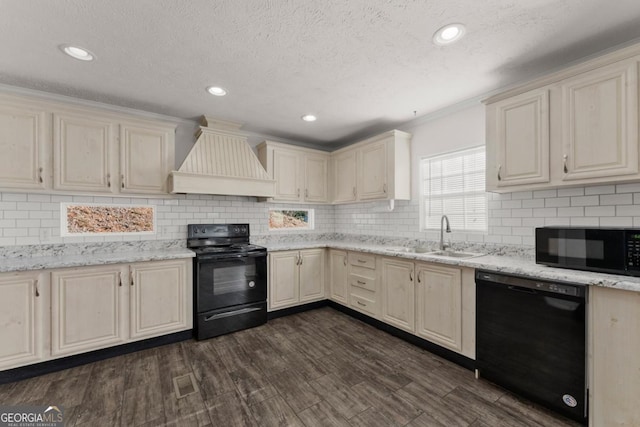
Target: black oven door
581 248
228 280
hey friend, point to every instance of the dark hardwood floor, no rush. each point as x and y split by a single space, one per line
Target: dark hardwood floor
317 368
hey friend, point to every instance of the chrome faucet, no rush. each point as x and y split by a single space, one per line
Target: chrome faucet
442 230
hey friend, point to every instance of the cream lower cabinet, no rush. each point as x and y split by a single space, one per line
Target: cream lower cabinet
160 298
23 309
338 276
88 308
103 306
296 277
398 293
614 345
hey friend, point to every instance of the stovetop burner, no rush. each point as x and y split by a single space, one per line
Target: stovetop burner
228 249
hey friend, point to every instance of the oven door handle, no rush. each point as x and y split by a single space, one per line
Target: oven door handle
231 313
234 256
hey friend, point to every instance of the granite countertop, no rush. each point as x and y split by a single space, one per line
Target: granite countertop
494 263
24 263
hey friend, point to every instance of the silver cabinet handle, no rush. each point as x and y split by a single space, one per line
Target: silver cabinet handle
411 276
362 261
418 277
132 279
120 281
361 282
384 188
564 162
301 259
345 261
499 169
40 175
122 180
37 291
361 303
108 180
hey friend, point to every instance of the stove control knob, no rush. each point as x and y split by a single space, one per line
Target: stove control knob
204 230
195 231
236 229
252 284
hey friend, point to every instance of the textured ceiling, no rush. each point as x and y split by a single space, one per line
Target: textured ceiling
362 66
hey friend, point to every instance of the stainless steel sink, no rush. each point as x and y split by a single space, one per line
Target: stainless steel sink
455 254
417 250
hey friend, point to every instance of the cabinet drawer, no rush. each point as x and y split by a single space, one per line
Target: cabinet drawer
362 282
363 304
362 260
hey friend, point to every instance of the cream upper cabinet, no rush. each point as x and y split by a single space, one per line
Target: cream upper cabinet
146 158
338 276
600 122
398 293
614 344
21 316
345 176
578 126
311 274
378 168
24 144
84 150
518 140
161 301
373 171
88 308
301 174
316 188
295 277
439 305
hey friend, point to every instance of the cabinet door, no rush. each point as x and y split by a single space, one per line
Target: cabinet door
160 298
283 279
600 123
614 344
439 305
146 159
286 173
344 177
311 274
339 275
315 176
88 309
23 141
21 316
398 293
518 131
373 171
83 153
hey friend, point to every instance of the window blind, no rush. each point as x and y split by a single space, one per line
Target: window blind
454 185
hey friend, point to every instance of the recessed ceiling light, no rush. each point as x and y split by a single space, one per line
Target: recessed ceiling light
217 91
449 34
79 53
309 118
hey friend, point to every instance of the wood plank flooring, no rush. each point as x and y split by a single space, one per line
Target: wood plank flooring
317 368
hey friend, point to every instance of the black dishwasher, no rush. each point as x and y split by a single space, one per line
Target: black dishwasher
530 338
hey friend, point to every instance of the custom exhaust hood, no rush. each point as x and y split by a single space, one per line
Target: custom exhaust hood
221 162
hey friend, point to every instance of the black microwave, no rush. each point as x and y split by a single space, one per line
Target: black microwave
605 250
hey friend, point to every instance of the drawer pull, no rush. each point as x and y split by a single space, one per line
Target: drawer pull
361 303
306 193
345 261
361 282
499 168
37 291
108 180
564 162
362 261
40 175
384 188
411 276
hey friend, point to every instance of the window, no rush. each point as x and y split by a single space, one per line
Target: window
453 185
88 219
280 219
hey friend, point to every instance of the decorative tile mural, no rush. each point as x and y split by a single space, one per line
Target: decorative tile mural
84 219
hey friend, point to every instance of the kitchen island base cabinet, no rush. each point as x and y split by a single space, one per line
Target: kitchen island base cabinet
295 277
614 346
22 309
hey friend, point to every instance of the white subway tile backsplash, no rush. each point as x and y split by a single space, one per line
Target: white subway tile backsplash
600 211
11 197
520 213
545 194
628 188
628 210
622 221
558 202
564 192
557 221
512 204
521 195
617 199
533 203
571 212
585 201
544 212
601 189
585 221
